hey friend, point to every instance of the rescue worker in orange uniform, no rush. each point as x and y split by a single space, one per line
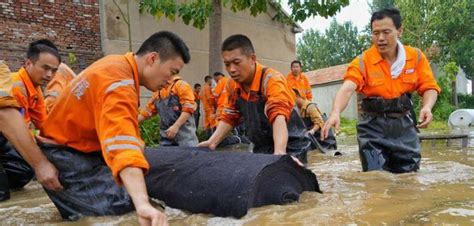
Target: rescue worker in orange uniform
175 104
299 81
94 125
386 74
314 120
219 92
259 96
64 76
20 157
208 105
27 84
197 98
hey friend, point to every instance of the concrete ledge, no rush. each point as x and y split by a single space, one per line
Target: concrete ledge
447 137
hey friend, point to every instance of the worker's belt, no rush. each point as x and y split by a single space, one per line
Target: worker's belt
381 105
393 108
387 114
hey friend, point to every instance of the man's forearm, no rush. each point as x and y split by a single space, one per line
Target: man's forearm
182 119
342 97
14 129
429 98
134 182
223 128
280 134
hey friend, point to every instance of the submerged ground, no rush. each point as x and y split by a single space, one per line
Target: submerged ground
442 192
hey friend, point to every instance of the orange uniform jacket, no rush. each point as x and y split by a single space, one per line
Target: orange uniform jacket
372 74
98 111
182 89
208 105
279 99
30 98
6 98
196 96
220 95
300 83
63 76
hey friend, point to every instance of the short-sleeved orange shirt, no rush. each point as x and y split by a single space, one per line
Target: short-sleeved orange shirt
279 99
300 83
372 74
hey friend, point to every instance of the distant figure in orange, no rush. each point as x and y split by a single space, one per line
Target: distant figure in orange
299 81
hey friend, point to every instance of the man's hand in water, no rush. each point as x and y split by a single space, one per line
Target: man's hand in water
47 175
333 121
284 153
148 215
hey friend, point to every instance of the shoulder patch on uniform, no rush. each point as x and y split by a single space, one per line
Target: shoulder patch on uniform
79 89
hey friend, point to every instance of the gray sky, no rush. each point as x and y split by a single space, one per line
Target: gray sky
357 11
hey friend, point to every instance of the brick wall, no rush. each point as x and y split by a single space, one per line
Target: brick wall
73 25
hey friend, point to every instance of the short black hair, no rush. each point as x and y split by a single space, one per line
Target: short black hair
297 92
42 46
207 78
295 62
167 44
217 73
197 85
392 13
238 42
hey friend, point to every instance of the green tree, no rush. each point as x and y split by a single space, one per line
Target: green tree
380 4
339 44
451 70
443 28
198 12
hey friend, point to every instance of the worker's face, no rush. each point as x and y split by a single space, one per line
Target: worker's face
43 69
157 73
240 66
198 89
385 35
296 69
217 78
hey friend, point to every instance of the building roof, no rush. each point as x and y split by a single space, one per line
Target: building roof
326 75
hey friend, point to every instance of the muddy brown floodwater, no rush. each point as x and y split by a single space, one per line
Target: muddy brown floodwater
441 193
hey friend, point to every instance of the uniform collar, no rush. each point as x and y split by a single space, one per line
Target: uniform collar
133 63
255 86
25 78
295 76
374 56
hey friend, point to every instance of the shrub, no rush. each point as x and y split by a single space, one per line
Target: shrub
150 131
466 101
